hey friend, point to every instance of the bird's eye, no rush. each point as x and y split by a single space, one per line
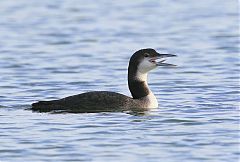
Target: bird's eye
146 55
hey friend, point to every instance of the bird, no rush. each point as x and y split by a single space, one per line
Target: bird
141 62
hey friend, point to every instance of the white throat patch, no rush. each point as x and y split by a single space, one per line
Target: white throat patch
141 76
143 68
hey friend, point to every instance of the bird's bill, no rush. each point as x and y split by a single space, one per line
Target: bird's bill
162 61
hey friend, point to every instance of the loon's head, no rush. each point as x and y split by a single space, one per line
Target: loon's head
145 60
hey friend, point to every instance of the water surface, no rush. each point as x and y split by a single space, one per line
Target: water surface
53 49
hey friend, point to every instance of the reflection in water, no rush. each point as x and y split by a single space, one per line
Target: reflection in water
135 112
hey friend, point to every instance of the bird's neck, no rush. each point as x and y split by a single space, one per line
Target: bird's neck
137 83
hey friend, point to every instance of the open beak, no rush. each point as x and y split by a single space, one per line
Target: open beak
162 61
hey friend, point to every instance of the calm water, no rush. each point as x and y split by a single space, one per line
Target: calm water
52 49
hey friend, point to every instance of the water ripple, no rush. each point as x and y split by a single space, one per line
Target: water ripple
53 49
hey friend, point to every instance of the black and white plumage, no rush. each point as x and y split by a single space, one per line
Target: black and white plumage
142 98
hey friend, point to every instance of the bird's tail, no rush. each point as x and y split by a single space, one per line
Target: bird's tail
45 106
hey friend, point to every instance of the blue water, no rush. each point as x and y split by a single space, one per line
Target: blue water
53 49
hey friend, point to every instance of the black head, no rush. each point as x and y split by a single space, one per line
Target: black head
146 59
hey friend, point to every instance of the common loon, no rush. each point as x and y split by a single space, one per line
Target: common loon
141 62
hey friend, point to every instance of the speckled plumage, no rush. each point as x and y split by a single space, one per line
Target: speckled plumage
140 64
91 102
